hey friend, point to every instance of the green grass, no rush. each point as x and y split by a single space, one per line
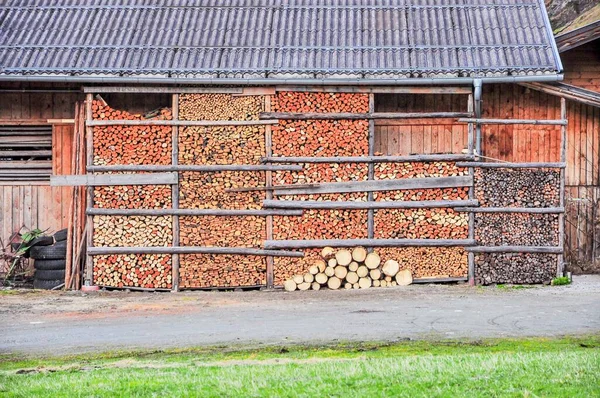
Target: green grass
561 280
508 367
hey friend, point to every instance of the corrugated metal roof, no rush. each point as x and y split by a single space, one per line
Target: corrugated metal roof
276 38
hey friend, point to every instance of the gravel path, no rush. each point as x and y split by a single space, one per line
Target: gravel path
60 323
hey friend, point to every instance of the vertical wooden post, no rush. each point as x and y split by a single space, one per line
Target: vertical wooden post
563 158
269 195
175 195
371 172
89 154
471 255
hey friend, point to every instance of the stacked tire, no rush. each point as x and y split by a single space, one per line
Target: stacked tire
49 254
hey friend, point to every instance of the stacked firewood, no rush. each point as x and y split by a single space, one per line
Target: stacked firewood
133 197
138 145
221 145
208 190
289 101
421 224
151 271
514 268
423 194
208 270
223 231
349 269
219 107
385 171
516 229
430 262
517 187
322 224
117 231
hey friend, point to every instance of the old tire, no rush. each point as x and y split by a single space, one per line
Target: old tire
46 265
55 252
50 275
42 284
61 235
41 241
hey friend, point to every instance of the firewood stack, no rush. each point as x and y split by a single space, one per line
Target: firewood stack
430 262
221 145
421 224
349 269
519 188
132 145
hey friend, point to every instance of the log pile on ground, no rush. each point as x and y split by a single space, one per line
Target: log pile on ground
421 224
514 268
322 224
516 229
290 101
133 197
221 231
208 270
139 145
151 271
219 107
221 145
207 190
349 269
123 231
517 187
430 262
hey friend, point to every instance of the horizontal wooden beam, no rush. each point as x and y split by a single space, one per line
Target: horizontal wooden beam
448 157
440 280
526 210
158 90
26 164
535 165
61 121
516 249
190 212
256 91
198 168
242 251
375 185
409 204
305 244
374 115
556 122
114 179
159 122
32 154
379 89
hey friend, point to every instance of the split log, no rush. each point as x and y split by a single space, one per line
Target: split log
314 270
304 286
328 252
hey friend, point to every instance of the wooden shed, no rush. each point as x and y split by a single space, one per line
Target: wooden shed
223 145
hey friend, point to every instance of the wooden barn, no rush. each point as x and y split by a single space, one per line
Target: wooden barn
225 144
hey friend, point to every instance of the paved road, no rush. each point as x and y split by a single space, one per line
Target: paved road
51 323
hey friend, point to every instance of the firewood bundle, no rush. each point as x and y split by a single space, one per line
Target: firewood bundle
321 138
208 270
207 190
151 271
133 197
138 145
221 145
517 187
322 224
286 267
385 171
516 229
220 231
424 194
514 268
421 224
430 262
349 269
219 107
116 231
288 101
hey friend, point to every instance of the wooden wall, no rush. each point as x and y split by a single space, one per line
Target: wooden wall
582 66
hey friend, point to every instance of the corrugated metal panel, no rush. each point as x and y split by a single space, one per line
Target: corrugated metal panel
261 38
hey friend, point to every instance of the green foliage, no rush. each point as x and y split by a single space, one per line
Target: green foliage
561 280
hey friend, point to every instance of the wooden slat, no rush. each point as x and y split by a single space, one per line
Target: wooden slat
161 90
29 164
305 244
378 89
347 115
562 122
192 212
244 251
32 154
197 168
524 210
161 122
409 204
447 157
114 179
515 249
533 165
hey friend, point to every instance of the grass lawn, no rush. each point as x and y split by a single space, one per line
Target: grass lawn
566 367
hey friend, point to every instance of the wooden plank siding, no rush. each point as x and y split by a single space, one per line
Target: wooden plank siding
582 66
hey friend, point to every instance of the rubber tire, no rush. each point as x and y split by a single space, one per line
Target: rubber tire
46 265
47 285
55 252
15 247
50 275
61 235
41 241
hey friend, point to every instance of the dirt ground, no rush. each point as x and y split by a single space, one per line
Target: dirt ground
41 322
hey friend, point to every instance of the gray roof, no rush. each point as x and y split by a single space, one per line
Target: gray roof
276 38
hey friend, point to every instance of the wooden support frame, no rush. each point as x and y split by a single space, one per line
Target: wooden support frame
371 172
89 139
197 168
560 267
378 89
522 210
305 244
370 159
355 116
471 150
175 260
516 249
408 204
161 122
176 212
553 122
92 180
270 261
99 251
533 165
161 90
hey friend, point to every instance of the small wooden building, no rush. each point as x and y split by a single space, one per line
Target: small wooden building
237 119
